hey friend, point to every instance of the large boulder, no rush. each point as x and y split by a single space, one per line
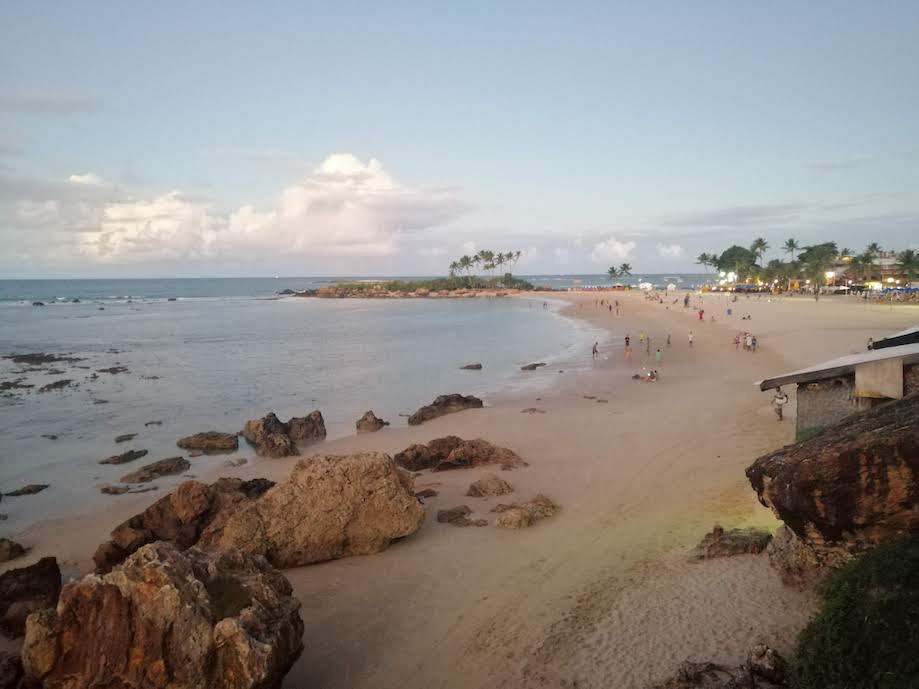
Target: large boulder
721 543
850 487
25 590
271 437
369 423
329 507
445 404
179 517
169 619
452 452
210 442
799 564
522 515
489 485
164 467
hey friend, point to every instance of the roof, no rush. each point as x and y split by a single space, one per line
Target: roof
842 366
908 336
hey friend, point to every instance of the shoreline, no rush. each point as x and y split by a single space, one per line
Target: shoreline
602 589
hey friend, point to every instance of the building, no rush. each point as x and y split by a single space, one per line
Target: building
831 391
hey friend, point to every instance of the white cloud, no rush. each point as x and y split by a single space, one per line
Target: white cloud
433 251
469 248
88 178
611 250
562 255
669 250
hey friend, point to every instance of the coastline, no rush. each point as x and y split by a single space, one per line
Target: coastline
603 589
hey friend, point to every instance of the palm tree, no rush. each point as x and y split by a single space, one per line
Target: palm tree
846 251
465 264
872 251
790 247
625 270
908 263
612 273
758 247
454 267
704 259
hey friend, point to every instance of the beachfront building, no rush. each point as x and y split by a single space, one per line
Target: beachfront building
831 391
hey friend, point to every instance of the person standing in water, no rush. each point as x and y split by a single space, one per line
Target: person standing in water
595 350
779 401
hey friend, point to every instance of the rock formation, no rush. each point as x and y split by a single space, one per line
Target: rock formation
10 550
524 514
459 516
851 486
445 404
763 668
25 590
488 485
273 438
329 507
369 423
180 517
532 367
10 670
721 543
471 367
30 489
210 442
452 452
125 438
168 619
124 457
163 467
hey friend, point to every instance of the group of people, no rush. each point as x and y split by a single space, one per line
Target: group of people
748 340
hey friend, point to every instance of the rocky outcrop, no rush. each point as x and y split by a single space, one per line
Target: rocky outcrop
489 485
445 404
125 438
799 564
180 517
10 550
851 486
30 489
471 367
168 619
459 516
273 438
210 442
10 670
721 543
369 423
524 514
124 457
763 668
532 367
164 467
329 507
25 590
452 452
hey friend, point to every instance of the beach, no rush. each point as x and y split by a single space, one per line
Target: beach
602 594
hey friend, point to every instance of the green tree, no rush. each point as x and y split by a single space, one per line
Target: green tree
612 273
738 259
790 247
759 247
908 263
817 260
704 259
625 269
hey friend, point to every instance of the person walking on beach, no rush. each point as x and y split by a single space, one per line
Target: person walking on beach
668 339
701 314
658 355
648 346
690 338
779 401
595 350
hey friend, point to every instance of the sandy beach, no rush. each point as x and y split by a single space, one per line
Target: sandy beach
601 595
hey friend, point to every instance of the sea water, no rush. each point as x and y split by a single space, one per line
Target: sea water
228 350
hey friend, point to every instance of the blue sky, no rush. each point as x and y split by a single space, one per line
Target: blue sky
336 138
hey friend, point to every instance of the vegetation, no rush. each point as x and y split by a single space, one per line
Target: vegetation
623 271
439 284
488 260
866 632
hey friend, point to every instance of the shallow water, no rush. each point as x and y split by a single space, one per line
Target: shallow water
211 363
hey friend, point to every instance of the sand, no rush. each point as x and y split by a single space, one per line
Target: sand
601 595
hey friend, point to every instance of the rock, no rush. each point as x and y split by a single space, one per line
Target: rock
41 358
10 550
458 516
532 367
114 370
237 462
852 486
369 423
25 590
532 410
125 438
766 663
763 668
124 457
329 507
49 436
10 670
30 489
154 423
445 404
38 303
798 564
179 517
167 619
426 493
210 442
164 467
452 452
109 489
272 438
471 367
56 385
489 485
721 543
522 515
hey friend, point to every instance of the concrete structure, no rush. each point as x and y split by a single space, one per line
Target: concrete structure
831 391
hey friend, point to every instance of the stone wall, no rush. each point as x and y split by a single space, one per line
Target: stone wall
911 379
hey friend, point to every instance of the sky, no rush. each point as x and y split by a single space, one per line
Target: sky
247 139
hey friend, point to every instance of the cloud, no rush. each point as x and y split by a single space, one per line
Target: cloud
669 250
345 207
48 103
611 250
469 248
738 215
433 251
844 163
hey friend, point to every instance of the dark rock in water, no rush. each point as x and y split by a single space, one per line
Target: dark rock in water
102 308
164 467
210 441
531 367
445 404
124 457
171 299
40 358
273 438
532 410
458 516
38 303
234 463
154 423
10 671
14 385
180 517
30 489
125 438
114 370
100 401
286 292
10 550
471 367
25 590
109 489
49 436
721 543
306 429
56 385
850 487
168 619
369 423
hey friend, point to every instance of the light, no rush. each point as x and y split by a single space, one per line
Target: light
732 276
807 282
830 274
889 280
722 274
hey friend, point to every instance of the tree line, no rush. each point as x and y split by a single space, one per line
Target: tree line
489 260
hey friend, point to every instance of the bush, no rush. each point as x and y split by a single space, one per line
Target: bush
866 632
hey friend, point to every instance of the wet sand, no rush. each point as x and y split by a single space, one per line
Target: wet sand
602 594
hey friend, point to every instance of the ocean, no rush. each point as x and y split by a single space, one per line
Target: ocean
228 350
